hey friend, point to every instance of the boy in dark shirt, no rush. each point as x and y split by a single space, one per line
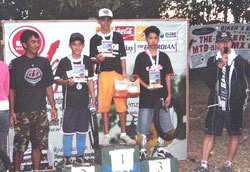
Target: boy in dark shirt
76 97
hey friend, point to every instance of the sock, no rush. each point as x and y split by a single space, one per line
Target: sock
229 163
107 135
67 144
143 141
204 163
80 143
123 134
160 142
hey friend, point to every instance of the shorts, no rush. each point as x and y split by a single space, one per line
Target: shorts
216 119
145 118
31 126
106 92
75 120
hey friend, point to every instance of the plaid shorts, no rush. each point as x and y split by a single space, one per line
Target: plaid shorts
31 126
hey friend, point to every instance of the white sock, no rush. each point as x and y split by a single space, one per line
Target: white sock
123 134
204 163
107 135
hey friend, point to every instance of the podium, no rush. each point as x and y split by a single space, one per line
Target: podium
120 158
159 165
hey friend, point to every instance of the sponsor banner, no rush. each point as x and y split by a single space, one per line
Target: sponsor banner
162 46
204 38
140 35
127 32
54 46
129 46
168 35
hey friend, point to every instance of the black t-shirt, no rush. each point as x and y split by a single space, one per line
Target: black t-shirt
75 98
109 64
29 79
148 98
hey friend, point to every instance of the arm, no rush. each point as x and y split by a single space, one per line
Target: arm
12 108
92 92
69 82
169 90
124 71
50 96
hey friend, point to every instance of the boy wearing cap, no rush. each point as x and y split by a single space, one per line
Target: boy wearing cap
75 98
110 67
156 61
226 77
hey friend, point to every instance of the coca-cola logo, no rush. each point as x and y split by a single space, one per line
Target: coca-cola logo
15 44
127 32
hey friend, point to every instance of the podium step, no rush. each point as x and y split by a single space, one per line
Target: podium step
88 167
120 158
159 165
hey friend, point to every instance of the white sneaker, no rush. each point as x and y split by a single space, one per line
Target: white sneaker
163 153
105 141
126 140
143 154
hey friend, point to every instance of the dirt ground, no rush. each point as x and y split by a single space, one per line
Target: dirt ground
198 100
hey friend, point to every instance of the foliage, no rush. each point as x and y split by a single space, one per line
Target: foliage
207 11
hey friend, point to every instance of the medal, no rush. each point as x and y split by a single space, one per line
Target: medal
78 86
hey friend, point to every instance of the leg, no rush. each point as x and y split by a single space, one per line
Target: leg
17 160
67 144
233 146
36 158
4 129
123 117
80 142
208 143
105 118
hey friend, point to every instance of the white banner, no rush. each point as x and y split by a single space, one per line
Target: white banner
54 46
204 37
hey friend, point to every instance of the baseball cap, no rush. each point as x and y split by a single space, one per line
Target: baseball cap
76 36
105 12
222 36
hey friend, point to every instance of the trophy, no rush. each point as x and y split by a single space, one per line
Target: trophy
107 49
154 79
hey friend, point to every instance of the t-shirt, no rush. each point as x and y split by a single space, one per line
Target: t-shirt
75 98
148 98
29 79
109 64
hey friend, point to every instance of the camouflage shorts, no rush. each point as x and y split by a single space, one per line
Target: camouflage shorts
31 126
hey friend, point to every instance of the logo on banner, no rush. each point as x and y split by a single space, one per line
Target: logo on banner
140 34
130 47
127 32
166 47
170 35
15 44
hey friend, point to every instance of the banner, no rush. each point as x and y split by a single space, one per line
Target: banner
54 46
204 38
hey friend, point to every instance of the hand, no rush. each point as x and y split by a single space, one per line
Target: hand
70 82
224 60
168 100
13 120
125 75
100 57
53 114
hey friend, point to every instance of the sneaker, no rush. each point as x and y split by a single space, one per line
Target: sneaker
163 153
105 141
143 154
200 168
79 160
227 168
66 162
126 140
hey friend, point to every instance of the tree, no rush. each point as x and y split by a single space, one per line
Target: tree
207 11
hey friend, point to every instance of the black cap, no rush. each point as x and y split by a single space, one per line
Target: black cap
222 36
76 36
152 29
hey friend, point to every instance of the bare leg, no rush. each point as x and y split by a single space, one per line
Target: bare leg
233 146
123 117
18 157
36 158
105 118
208 143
